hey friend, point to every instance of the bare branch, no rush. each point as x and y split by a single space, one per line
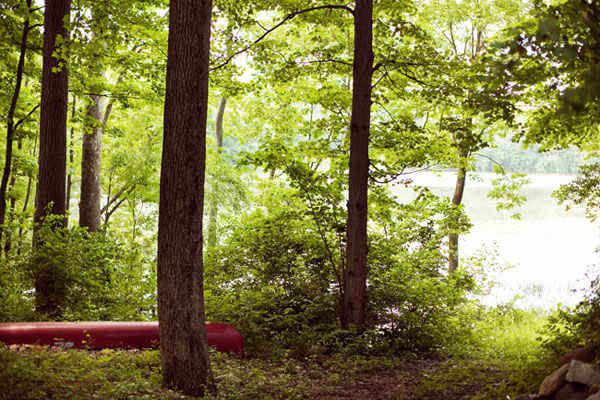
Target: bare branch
116 197
19 122
112 210
320 62
492 160
35 26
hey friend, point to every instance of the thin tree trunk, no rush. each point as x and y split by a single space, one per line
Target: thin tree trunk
90 214
26 202
11 124
477 44
71 160
13 205
184 350
11 213
355 274
91 187
459 189
50 193
214 206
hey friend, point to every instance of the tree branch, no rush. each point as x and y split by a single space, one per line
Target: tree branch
116 197
492 160
35 26
320 62
19 122
280 23
110 213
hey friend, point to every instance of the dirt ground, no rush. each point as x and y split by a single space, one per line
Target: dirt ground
401 383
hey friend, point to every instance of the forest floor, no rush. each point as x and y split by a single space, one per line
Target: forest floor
30 372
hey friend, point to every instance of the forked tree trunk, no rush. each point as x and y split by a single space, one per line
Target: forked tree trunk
50 194
91 150
214 198
463 153
184 350
355 274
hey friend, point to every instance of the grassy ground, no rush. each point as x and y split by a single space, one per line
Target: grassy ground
503 359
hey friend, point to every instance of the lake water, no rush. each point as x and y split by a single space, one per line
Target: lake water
550 249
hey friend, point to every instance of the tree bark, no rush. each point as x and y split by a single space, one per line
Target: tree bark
214 206
459 189
91 185
50 194
463 152
184 351
11 123
355 274
71 160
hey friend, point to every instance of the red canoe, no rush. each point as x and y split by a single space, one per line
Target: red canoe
223 337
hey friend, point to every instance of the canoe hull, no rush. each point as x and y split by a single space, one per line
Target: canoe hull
223 337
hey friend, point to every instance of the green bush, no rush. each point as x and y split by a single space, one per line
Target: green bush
277 278
571 327
272 281
99 278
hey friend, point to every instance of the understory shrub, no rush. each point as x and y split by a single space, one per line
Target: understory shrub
277 278
571 327
99 278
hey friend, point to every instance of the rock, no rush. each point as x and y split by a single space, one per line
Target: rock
572 391
583 354
554 381
594 396
583 373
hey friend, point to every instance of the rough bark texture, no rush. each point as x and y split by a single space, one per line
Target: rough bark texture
53 148
11 124
184 351
214 206
355 274
459 189
91 150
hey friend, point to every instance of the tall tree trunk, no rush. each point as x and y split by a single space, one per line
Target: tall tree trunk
10 125
91 185
184 350
50 194
459 189
214 206
477 44
355 274
71 160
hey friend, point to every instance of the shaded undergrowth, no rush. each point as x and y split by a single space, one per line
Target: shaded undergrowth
502 358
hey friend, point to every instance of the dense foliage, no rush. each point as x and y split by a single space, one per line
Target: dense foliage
578 326
462 90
